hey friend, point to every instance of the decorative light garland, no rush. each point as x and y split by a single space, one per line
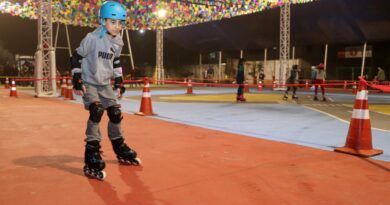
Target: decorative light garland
143 14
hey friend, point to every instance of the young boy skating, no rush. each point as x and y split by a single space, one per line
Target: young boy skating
94 64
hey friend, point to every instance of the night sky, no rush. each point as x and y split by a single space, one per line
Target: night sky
317 23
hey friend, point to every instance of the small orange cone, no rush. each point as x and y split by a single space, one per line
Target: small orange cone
69 91
260 86
66 93
189 87
63 86
13 92
146 101
273 85
359 140
6 85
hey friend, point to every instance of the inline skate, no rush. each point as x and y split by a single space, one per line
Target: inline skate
94 164
125 154
240 98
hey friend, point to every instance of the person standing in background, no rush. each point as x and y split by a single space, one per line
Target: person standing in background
380 76
319 80
240 79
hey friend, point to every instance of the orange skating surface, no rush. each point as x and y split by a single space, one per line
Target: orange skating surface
42 148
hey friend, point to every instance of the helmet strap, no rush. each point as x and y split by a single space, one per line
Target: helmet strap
103 31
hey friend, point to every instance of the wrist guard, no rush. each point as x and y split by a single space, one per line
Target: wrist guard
77 82
118 84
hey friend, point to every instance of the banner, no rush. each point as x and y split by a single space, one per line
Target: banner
354 52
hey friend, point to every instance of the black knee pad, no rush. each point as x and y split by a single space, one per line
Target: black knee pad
115 114
96 111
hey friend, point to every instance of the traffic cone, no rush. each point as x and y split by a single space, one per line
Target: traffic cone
6 85
260 86
306 84
13 92
189 87
359 140
354 88
146 101
63 87
69 91
273 85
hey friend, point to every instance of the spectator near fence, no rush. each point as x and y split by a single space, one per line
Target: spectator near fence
380 76
319 79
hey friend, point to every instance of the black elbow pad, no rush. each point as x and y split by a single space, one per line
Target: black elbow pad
75 60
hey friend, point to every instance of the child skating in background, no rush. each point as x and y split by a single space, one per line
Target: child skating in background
292 79
240 79
94 64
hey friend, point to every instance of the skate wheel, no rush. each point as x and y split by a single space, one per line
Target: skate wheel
124 162
137 161
101 175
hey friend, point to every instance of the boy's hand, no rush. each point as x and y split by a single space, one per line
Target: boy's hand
80 92
119 87
78 86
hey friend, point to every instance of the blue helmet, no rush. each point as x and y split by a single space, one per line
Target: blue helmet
112 10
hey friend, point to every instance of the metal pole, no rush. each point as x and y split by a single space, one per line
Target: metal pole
265 60
293 53
200 66
364 58
326 56
56 38
159 72
68 40
220 66
284 52
45 52
130 51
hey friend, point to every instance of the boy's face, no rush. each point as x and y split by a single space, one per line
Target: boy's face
114 27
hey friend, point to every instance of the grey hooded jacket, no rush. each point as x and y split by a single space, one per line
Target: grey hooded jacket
97 65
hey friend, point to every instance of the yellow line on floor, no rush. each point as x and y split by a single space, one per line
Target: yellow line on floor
225 97
384 109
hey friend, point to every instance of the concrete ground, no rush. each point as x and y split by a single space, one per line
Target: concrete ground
193 153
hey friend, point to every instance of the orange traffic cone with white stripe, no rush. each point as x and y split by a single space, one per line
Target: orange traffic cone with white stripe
69 91
13 92
63 87
189 87
274 85
260 86
6 85
359 140
146 101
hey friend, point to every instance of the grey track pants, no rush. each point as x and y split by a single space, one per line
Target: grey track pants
106 96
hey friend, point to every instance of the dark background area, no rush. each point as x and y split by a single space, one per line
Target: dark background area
339 23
